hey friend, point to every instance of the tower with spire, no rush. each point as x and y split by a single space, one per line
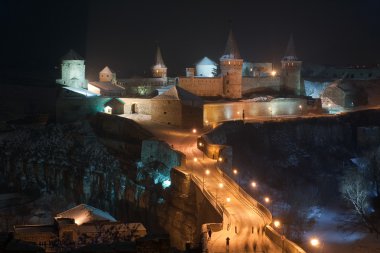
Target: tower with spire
291 71
231 66
159 69
73 71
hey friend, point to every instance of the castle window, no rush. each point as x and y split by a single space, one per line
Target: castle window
164 112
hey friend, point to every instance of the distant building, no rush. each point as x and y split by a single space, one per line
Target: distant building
227 85
291 72
77 227
344 94
159 69
73 71
177 107
206 68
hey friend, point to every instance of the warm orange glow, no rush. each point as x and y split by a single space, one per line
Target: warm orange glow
267 199
207 172
220 159
221 185
300 106
200 144
277 223
235 171
254 184
228 199
273 73
194 130
314 242
195 159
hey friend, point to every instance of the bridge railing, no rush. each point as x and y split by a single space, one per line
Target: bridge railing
285 244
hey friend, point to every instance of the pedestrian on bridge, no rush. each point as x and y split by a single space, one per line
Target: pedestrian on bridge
209 233
228 243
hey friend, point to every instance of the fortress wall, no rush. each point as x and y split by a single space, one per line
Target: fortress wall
208 87
142 105
251 84
168 112
219 112
154 150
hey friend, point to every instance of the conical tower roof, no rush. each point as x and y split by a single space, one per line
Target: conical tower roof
72 55
290 53
232 50
159 61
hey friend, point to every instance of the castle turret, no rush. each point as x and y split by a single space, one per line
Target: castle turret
291 71
231 66
73 71
159 69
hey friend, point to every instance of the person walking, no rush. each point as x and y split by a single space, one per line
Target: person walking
228 243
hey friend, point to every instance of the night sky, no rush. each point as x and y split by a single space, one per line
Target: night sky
123 34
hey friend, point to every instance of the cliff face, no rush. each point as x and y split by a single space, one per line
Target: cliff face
298 153
185 210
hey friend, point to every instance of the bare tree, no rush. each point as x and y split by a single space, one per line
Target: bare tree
357 190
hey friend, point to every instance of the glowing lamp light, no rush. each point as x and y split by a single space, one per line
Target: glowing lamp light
220 159
300 106
195 159
277 223
221 185
314 242
228 199
207 172
254 184
235 171
166 183
194 130
273 73
267 199
200 144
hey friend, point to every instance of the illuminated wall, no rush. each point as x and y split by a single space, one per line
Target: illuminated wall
205 70
252 84
232 77
137 105
73 74
202 86
219 112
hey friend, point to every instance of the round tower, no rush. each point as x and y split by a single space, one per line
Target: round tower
291 72
231 66
73 70
159 69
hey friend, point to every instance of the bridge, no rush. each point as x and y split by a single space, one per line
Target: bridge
246 222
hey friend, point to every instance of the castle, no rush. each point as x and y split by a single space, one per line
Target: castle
203 96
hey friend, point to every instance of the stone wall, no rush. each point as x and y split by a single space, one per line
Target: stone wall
155 150
254 84
219 112
137 105
168 112
185 210
201 86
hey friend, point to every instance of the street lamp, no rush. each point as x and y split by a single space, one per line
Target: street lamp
254 184
235 171
194 130
207 172
273 73
316 243
277 225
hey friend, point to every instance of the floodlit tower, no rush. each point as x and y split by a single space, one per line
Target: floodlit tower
159 69
291 71
73 71
107 75
231 66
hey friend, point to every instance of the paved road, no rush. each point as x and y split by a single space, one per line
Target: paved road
243 225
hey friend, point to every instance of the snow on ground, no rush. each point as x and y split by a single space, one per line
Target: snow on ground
335 240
